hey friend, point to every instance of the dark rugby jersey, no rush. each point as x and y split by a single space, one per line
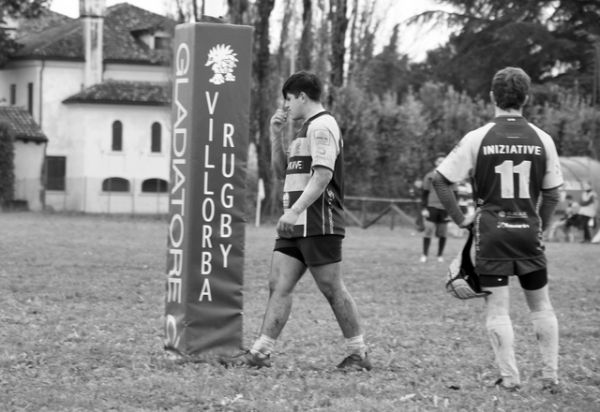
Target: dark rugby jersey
509 161
317 143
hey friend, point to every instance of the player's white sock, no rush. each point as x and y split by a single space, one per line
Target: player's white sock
545 326
502 337
356 345
263 345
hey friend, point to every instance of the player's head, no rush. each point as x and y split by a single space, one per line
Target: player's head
303 82
587 186
300 92
439 158
510 88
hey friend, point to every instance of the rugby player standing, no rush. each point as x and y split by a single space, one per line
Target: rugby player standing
513 166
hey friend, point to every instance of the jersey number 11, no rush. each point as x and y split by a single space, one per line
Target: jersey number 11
507 170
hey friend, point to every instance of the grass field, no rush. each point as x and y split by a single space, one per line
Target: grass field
82 302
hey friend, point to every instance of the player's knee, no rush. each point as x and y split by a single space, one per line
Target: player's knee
278 288
330 290
327 290
538 300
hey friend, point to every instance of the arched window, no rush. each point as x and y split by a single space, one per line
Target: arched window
156 138
154 186
117 136
115 184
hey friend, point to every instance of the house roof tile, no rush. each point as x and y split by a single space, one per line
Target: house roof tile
124 92
53 38
22 124
46 19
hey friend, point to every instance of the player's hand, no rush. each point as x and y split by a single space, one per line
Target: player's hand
285 225
469 218
425 213
278 120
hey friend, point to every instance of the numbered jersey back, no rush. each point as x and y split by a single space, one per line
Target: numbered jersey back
510 161
510 167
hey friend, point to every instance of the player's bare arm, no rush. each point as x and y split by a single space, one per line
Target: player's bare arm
278 155
316 186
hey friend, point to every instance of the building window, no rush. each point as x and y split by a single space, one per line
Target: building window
156 138
162 43
56 168
13 94
117 136
115 184
154 186
30 98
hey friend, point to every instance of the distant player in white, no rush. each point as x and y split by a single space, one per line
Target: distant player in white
514 168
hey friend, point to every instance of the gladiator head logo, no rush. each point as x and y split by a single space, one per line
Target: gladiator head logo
223 61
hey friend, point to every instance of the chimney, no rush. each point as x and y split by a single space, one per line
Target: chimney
91 13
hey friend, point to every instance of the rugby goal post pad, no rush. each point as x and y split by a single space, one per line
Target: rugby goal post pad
206 227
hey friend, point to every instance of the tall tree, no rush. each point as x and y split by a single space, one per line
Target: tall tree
283 63
261 98
15 9
549 39
237 10
338 10
7 177
362 38
306 40
388 71
322 47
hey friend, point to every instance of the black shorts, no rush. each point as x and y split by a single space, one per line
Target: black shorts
313 250
437 216
529 281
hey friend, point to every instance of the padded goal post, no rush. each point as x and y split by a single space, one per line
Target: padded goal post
205 250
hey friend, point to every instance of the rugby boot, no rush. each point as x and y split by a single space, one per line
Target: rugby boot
249 359
507 385
356 362
550 385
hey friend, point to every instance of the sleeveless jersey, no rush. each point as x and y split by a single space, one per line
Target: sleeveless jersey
509 162
317 143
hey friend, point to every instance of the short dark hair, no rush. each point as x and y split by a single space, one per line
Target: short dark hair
510 87
305 82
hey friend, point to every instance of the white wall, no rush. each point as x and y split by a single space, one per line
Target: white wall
28 161
97 161
21 74
60 81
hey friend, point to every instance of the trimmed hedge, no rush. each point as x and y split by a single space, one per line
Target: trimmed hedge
7 155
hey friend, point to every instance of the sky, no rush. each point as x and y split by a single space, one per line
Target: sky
414 41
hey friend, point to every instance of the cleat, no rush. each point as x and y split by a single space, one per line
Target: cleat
551 385
507 386
248 359
423 259
440 259
356 362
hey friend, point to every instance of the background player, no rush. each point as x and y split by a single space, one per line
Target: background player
513 164
434 215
